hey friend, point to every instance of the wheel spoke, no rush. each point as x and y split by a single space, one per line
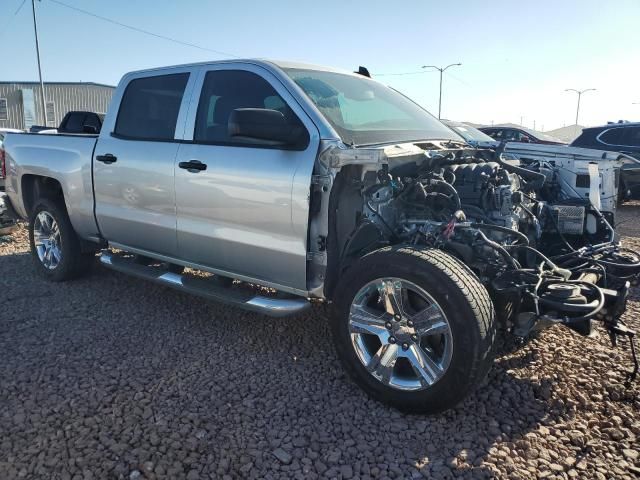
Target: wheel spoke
383 362
392 297
55 253
365 320
430 321
45 226
427 370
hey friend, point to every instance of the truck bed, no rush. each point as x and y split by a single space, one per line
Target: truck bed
63 158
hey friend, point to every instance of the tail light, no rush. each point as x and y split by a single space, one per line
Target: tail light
3 166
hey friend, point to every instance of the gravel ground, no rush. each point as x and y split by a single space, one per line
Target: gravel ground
112 377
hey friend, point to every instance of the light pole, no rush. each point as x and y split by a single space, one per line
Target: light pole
579 92
441 70
42 97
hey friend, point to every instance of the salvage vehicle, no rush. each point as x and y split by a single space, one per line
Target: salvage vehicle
517 133
323 184
472 135
621 137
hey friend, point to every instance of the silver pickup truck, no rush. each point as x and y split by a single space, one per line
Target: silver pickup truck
323 184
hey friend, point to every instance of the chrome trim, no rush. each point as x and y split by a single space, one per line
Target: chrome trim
273 307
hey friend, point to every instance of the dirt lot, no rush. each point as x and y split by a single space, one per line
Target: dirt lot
112 377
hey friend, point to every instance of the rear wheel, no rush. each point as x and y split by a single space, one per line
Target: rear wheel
55 248
414 328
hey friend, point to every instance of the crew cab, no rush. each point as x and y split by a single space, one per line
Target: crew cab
323 184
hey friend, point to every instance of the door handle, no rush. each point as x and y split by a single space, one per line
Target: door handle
107 158
193 166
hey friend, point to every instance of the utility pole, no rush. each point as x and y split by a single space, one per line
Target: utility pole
441 70
42 97
579 92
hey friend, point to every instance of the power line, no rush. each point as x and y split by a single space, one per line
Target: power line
5 27
140 30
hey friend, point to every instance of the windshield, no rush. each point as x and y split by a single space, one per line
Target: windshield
365 112
470 133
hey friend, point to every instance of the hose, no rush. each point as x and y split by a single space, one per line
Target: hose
500 249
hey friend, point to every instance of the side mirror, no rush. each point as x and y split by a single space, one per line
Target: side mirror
265 124
90 129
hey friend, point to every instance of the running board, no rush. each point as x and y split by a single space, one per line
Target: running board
274 307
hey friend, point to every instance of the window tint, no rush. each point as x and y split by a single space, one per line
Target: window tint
612 136
224 91
631 137
149 107
495 134
93 120
74 123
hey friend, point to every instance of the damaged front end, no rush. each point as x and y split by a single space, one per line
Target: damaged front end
534 232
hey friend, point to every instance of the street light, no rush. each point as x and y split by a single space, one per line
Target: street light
579 92
441 70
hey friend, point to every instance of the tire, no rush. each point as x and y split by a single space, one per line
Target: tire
70 261
436 283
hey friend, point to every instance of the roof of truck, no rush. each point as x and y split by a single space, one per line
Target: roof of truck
256 61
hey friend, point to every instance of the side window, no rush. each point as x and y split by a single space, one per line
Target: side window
510 135
613 136
631 137
149 107
224 91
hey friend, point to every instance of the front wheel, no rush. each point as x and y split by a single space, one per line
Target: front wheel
413 328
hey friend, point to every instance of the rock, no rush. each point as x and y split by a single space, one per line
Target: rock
283 456
193 475
135 475
631 455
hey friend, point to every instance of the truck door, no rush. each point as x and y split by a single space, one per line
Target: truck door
242 204
134 162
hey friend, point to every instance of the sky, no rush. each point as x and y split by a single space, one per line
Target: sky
517 57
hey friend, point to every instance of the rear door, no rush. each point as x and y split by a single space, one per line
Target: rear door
134 162
246 213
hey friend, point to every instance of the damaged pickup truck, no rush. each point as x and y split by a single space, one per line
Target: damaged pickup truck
322 184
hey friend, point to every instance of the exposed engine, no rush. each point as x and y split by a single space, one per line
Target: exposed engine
542 246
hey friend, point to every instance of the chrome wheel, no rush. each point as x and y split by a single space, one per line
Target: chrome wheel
47 241
400 334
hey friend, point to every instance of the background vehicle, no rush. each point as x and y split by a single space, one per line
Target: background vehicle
472 135
3 171
509 133
78 122
326 184
617 137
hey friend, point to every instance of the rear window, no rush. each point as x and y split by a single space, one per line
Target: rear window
149 107
74 123
612 136
631 137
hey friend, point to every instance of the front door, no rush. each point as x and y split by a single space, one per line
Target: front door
134 166
244 208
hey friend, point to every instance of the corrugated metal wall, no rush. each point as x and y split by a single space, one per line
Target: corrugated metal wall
65 97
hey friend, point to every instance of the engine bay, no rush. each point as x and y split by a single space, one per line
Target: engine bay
538 234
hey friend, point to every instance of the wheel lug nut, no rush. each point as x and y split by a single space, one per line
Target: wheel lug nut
392 340
414 338
409 323
405 346
388 325
397 318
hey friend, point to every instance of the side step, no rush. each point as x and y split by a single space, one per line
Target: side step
274 307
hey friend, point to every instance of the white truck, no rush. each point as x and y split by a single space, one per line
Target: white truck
323 184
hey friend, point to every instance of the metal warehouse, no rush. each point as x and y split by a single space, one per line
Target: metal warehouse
21 106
